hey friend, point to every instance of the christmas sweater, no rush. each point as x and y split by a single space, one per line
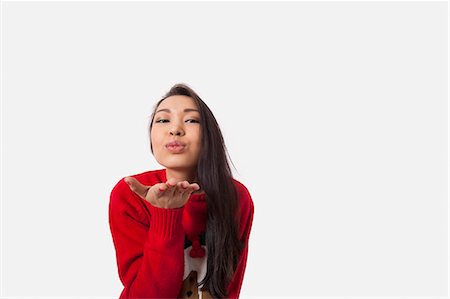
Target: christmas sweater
161 253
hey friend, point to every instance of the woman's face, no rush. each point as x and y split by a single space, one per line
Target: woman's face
176 119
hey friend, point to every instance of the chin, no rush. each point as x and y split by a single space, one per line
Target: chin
170 163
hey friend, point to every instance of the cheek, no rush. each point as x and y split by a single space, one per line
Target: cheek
155 135
156 142
199 144
199 139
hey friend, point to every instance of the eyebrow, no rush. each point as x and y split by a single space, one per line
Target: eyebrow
185 110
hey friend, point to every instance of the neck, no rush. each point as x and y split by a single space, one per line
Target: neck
181 175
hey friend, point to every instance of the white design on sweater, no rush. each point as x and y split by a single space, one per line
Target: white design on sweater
195 264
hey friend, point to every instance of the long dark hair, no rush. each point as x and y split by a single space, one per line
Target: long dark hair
215 178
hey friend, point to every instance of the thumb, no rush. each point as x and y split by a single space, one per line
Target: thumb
136 186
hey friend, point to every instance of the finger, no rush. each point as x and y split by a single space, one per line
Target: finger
136 186
185 191
193 187
162 187
183 185
171 186
171 182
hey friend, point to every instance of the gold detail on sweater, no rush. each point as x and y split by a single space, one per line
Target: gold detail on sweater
189 289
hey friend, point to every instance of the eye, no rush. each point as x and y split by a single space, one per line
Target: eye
161 120
194 120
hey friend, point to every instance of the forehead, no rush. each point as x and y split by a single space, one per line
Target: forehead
177 102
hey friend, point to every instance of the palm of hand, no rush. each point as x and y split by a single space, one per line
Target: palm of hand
168 195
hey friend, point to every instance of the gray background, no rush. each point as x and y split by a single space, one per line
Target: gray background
335 115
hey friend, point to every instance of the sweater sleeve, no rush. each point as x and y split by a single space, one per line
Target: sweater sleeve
150 256
247 210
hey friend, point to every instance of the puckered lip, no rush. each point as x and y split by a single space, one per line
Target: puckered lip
175 143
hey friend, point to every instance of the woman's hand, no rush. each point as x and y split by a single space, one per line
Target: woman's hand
168 195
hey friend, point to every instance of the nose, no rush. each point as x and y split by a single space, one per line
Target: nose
176 131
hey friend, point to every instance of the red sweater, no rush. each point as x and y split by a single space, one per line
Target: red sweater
156 247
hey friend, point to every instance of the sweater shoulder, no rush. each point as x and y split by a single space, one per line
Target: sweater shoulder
242 191
123 198
246 209
245 198
148 178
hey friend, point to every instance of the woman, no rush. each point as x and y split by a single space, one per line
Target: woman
182 231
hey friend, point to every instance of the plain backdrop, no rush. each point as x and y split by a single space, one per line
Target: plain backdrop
335 115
